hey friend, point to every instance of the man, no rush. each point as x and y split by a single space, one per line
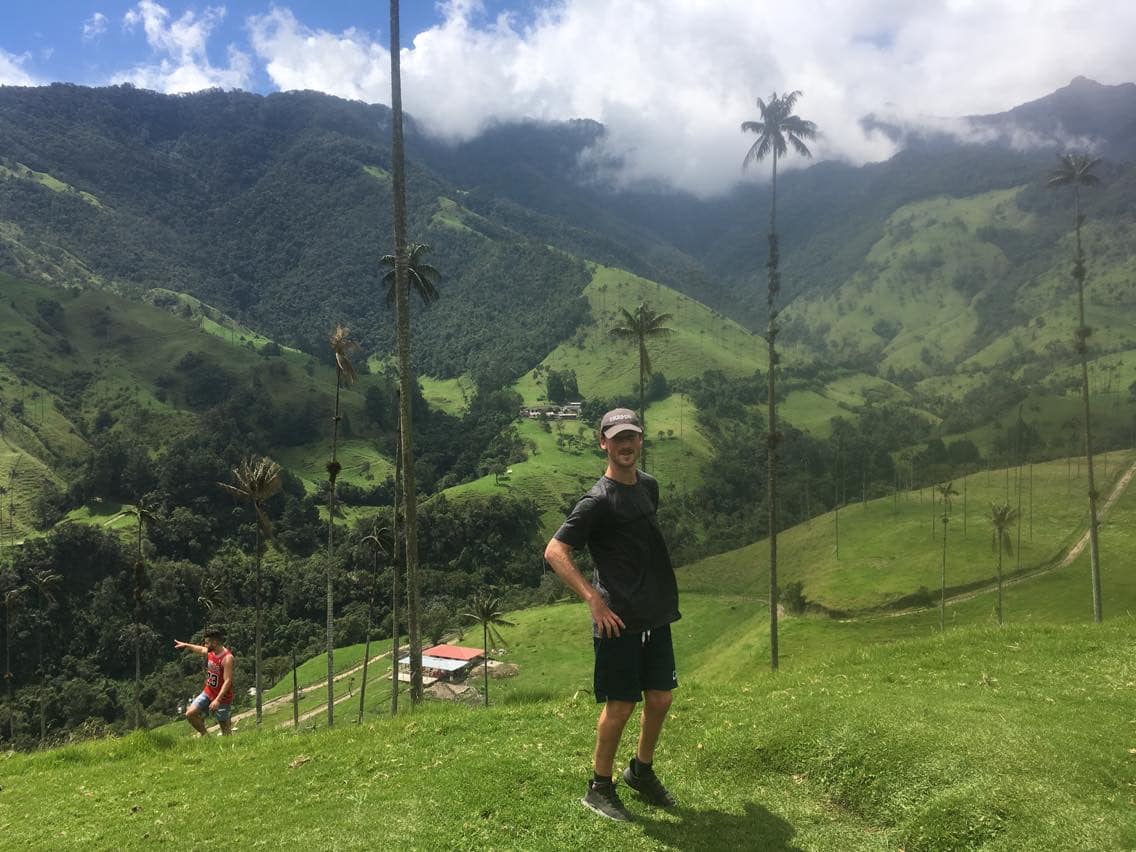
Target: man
217 696
633 598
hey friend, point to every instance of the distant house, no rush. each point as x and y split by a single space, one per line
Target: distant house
568 411
455 652
443 662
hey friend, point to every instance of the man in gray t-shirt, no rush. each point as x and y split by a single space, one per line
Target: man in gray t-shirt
633 598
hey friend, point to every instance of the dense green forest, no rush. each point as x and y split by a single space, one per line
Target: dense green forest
171 269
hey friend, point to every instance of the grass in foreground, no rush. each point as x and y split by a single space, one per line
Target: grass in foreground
1017 738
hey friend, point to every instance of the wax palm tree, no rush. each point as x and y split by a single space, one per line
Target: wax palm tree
12 599
345 375
214 597
397 550
255 481
405 379
777 130
640 325
44 582
945 491
144 516
485 609
1076 170
379 542
1002 518
422 276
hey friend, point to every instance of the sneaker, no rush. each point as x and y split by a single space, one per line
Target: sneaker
647 784
603 799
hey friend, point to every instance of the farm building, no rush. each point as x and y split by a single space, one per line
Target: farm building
443 662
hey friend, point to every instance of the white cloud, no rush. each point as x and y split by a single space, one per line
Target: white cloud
672 80
94 26
349 64
12 72
179 47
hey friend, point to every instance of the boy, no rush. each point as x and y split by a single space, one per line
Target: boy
217 695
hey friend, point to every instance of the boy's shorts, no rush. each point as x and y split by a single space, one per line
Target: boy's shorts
224 712
630 663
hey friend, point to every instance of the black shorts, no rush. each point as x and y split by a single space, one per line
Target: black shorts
632 662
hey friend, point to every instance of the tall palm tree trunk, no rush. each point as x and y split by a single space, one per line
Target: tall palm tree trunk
8 679
137 672
643 400
259 630
330 626
43 684
772 436
999 581
396 566
943 586
402 307
485 665
138 569
295 694
1082 348
367 643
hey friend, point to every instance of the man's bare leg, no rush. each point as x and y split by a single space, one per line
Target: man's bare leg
193 716
609 728
656 703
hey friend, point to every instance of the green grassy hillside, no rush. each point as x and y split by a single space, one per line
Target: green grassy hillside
892 547
606 367
981 739
77 363
947 296
879 732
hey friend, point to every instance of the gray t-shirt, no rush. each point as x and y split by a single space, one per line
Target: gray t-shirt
633 567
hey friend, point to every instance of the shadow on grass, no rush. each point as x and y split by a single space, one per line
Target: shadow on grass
757 828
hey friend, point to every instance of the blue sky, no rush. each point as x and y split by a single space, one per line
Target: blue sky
90 41
671 80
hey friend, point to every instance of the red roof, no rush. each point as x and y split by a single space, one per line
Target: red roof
454 652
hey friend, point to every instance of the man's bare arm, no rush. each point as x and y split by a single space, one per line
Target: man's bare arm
559 556
189 646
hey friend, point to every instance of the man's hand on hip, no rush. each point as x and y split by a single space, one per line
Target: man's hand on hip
607 622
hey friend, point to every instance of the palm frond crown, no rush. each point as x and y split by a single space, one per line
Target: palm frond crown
1074 170
778 129
256 480
639 325
423 277
342 346
45 583
1002 517
485 609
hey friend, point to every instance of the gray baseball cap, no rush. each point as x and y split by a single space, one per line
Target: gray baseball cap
620 420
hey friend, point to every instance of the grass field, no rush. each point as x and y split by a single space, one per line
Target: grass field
607 367
983 738
362 463
549 476
449 395
891 547
879 731
20 171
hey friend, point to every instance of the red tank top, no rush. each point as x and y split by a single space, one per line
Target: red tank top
215 676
